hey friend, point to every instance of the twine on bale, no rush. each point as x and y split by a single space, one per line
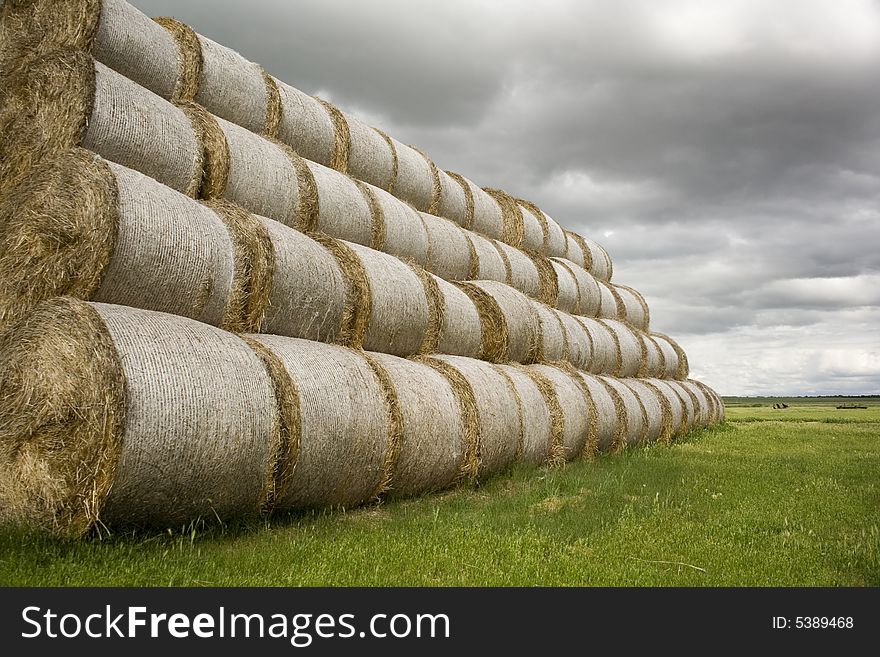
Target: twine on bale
436 309
436 189
667 430
683 367
342 137
358 296
62 219
508 270
646 312
547 281
274 108
556 449
254 258
377 231
470 415
661 355
566 345
684 424
215 159
190 59
46 108
510 215
622 431
395 162
580 306
495 338
710 398
585 249
542 220
287 429
309 206
591 442
468 199
520 411
395 423
695 403
618 350
474 269
59 458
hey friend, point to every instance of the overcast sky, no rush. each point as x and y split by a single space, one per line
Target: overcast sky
726 153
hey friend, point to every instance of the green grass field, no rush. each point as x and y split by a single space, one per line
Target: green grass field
772 497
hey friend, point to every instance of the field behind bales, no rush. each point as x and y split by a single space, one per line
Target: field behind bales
772 497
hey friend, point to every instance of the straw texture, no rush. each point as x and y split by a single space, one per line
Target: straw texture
636 309
345 431
575 407
610 421
433 442
541 415
461 328
522 322
657 413
372 158
636 420
449 249
498 408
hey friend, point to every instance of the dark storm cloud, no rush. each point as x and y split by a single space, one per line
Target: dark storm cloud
727 153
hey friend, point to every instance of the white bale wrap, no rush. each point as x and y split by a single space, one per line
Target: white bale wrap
633 356
415 181
372 158
656 409
605 351
523 324
524 274
578 340
487 265
305 125
432 445
577 409
610 429
636 308
589 294
346 437
538 420
635 415
449 252
498 408
461 330
405 234
554 340
568 297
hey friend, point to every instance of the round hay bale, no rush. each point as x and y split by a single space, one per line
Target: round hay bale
486 262
341 137
80 226
548 285
232 87
372 159
606 357
589 294
542 417
110 417
511 217
305 125
415 179
690 404
309 288
557 245
611 305
67 99
403 230
554 342
494 337
398 319
657 411
350 424
577 251
656 359
456 202
610 418
578 340
702 405
522 322
432 446
636 416
633 353
600 262
568 292
524 274
461 327
104 28
534 221
449 250
635 308
487 216
670 357
498 409
576 406
675 407
676 362
713 403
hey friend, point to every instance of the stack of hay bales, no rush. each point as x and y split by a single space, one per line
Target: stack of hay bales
220 297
